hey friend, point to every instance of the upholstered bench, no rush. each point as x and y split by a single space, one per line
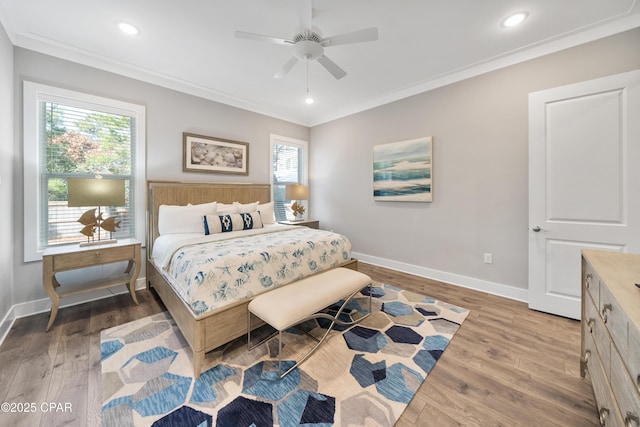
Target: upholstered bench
292 304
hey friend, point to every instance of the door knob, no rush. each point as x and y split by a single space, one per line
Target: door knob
536 228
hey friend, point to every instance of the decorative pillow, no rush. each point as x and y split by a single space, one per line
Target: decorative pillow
228 208
267 213
173 219
231 222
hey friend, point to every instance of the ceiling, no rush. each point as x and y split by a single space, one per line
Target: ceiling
191 46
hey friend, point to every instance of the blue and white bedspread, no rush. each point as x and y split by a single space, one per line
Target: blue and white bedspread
208 272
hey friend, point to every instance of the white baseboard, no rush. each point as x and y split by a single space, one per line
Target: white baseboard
493 288
43 305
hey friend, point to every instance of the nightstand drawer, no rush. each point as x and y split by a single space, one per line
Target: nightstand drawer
303 222
92 257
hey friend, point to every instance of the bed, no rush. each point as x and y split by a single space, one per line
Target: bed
206 327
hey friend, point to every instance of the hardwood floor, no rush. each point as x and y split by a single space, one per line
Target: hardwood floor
506 366
63 365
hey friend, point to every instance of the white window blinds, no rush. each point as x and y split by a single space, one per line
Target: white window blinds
288 165
82 143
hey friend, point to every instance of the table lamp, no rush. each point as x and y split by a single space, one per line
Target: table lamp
83 192
297 192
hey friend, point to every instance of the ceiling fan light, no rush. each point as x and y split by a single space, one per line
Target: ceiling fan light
128 29
515 19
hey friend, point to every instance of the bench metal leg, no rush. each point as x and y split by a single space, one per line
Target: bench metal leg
334 319
264 340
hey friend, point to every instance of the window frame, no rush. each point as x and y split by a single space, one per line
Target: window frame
284 140
33 93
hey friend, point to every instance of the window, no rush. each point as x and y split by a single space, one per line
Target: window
74 135
289 160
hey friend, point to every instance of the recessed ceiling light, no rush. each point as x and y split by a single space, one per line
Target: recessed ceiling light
515 19
128 29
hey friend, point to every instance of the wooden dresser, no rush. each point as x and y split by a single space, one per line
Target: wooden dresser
611 334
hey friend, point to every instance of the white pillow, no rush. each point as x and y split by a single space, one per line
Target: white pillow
247 207
213 204
231 222
267 213
173 219
227 208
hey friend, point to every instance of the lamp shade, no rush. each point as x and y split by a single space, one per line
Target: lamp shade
95 192
297 192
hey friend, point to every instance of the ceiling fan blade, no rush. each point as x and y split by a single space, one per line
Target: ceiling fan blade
365 35
332 67
286 68
305 12
260 37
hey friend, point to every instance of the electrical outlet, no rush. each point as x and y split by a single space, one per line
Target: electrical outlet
488 258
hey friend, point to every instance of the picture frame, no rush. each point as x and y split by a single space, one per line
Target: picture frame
214 155
402 171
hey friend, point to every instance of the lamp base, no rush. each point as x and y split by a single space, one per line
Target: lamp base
98 242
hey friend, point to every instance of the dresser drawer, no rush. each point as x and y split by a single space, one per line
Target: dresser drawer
594 327
633 357
625 391
591 283
607 408
614 319
590 317
92 257
590 353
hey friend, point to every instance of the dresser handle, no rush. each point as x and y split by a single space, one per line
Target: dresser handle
587 355
605 308
603 415
587 283
631 420
590 325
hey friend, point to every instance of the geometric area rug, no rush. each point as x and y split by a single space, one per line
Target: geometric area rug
362 375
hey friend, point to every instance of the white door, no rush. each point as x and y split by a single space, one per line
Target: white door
584 183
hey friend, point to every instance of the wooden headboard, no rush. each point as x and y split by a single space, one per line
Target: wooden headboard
185 192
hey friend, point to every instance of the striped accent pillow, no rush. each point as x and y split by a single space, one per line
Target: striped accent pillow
231 222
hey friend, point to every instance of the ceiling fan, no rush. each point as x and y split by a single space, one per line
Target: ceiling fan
309 44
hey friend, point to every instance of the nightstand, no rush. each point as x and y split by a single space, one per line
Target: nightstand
306 222
72 257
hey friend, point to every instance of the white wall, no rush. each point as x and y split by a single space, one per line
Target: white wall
480 185
7 159
169 113
480 161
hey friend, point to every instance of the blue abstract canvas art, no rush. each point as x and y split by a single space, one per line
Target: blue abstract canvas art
402 171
